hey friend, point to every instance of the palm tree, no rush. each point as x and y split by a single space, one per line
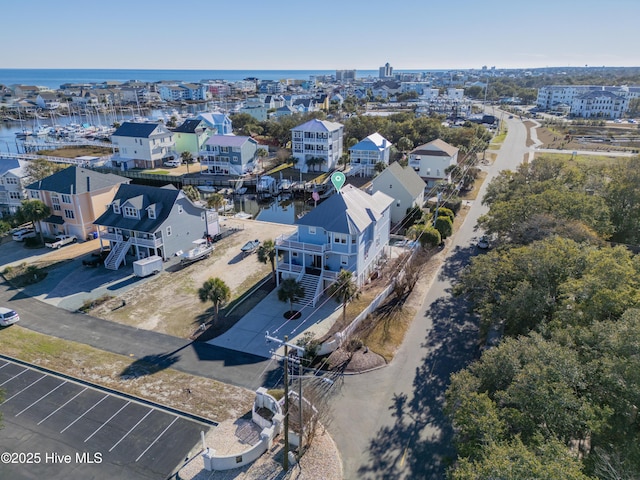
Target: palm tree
345 290
216 291
262 154
34 211
290 291
191 192
187 158
215 201
267 253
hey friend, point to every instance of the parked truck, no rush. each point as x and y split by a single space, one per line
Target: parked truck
147 266
61 241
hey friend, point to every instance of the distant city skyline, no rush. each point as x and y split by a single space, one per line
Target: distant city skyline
288 34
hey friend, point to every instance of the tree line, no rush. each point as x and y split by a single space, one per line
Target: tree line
558 396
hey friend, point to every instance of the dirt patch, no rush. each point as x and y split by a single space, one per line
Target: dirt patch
169 302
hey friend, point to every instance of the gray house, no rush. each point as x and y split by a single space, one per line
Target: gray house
228 155
142 221
402 184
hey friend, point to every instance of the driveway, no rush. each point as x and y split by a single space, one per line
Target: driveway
248 334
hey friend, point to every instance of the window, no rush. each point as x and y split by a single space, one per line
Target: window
312 230
15 196
34 194
55 201
168 230
69 214
180 209
152 213
339 238
344 260
116 208
11 181
66 198
130 212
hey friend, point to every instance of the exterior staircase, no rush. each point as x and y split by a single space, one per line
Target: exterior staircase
310 284
118 251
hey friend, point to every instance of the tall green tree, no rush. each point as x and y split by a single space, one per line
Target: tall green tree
215 201
34 211
290 291
344 290
267 252
262 153
216 291
187 158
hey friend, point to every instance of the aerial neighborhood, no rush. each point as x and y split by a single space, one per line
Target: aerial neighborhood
201 248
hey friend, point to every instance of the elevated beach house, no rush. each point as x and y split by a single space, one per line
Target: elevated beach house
404 185
13 180
76 197
432 159
228 155
349 230
368 152
143 145
142 221
317 145
191 135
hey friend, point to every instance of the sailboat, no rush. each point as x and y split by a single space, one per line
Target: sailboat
24 131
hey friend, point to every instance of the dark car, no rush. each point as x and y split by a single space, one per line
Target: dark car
96 259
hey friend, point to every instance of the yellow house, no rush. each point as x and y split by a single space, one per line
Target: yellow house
76 197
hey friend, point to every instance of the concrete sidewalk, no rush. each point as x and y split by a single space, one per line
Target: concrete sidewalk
248 334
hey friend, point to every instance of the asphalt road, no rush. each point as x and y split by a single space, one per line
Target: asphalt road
389 423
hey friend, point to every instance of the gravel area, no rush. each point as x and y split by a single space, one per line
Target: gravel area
321 461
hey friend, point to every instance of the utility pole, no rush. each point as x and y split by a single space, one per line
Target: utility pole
300 406
285 460
300 350
435 216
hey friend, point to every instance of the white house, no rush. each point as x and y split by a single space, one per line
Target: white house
432 159
402 184
317 145
147 145
365 154
13 179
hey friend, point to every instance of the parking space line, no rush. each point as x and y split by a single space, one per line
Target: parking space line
63 405
4 365
157 438
15 376
28 386
100 427
132 428
44 396
94 406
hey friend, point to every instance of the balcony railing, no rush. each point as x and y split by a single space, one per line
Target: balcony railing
292 244
289 267
143 242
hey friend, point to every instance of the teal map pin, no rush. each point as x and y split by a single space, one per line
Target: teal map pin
337 178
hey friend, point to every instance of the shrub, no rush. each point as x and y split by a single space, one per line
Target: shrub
444 225
430 237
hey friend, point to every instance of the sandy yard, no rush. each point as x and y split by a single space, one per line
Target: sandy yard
168 303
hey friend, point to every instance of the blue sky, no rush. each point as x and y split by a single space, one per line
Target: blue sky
330 34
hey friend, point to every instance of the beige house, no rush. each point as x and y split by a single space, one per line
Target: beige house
76 197
431 160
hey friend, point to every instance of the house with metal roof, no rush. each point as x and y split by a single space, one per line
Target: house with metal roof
432 159
368 152
142 145
228 155
402 184
76 197
219 122
317 145
13 180
349 230
191 135
142 221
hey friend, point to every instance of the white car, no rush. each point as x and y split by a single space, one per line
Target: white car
8 317
61 241
483 243
172 163
23 233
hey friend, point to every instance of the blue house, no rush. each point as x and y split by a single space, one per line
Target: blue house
349 231
219 122
228 155
368 152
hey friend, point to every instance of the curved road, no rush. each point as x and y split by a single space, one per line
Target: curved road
389 423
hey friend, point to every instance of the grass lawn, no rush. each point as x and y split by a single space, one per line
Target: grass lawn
140 377
79 151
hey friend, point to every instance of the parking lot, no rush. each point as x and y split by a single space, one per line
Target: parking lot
56 428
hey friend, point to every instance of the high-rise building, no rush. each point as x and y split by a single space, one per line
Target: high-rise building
345 75
386 71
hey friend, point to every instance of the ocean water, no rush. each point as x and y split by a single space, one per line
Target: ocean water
53 78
